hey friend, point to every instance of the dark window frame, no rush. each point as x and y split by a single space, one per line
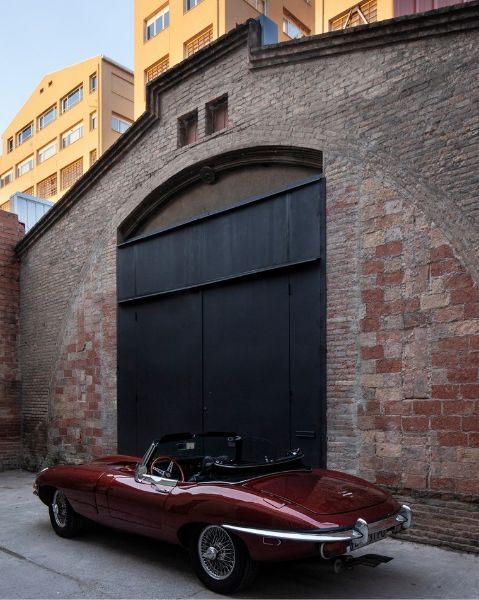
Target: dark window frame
188 128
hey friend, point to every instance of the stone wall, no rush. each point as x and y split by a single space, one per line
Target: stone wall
10 234
394 109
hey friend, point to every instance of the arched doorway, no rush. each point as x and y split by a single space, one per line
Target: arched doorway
222 305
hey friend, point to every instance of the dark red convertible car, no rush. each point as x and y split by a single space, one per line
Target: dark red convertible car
226 498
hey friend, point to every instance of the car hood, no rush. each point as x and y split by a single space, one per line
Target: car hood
321 492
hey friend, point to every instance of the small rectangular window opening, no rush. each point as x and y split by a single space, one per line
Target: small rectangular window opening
188 129
217 115
93 82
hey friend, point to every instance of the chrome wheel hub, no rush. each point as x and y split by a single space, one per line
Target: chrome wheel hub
217 552
211 553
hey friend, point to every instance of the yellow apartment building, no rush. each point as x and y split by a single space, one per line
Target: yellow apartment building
70 119
166 32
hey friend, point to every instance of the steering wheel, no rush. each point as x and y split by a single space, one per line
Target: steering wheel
155 470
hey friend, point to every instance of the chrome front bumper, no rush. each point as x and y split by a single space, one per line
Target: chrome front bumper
361 534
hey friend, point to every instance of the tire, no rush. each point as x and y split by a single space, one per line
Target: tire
221 560
65 521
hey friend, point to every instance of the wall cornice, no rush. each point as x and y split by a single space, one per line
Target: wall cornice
449 20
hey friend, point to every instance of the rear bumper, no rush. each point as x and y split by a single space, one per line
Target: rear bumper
360 534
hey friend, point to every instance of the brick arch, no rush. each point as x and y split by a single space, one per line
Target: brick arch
208 171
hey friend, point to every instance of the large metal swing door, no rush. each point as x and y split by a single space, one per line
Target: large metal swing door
246 358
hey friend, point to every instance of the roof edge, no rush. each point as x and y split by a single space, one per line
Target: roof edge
115 63
438 22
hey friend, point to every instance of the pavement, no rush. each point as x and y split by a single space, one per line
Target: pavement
36 563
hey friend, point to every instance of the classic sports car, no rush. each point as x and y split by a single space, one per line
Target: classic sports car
226 498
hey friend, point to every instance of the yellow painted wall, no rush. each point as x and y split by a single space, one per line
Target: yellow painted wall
328 9
117 97
50 91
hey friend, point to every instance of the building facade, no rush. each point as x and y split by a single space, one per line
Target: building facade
301 218
70 119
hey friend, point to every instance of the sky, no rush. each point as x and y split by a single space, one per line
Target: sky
41 36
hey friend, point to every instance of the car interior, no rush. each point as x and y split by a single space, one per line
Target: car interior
218 456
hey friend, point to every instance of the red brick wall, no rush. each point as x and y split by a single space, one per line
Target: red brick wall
419 346
10 233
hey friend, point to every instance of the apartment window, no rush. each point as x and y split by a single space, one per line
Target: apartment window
6 178
25 134
157 69
72 135
29 191
188 129
199 41
93 121
159 21
25 166
47 117
217 115
47 152
359 14
47 187
10 144
71 173
93 157
119 124
189 4
73 98
293 27
259 5
92 82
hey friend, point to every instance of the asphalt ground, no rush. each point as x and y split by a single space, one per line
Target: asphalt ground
36 563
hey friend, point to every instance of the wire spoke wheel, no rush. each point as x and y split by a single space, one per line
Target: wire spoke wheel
60 508
65 521
216 552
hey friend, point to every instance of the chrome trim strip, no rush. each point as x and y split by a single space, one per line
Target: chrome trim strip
358 535
333 536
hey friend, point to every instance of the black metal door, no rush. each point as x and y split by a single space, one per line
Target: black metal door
163 366
246 358
221 325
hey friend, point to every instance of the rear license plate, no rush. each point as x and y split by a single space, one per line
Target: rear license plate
376 536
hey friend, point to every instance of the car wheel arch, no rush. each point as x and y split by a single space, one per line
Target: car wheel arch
45 493
187 532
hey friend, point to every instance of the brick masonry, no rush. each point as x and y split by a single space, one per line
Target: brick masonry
396 117
11 231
